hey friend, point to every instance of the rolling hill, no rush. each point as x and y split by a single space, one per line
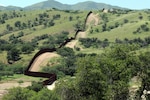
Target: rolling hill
10 8
88 5
25 32
38 25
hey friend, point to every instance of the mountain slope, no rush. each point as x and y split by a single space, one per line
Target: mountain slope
89 5
10 8
48 4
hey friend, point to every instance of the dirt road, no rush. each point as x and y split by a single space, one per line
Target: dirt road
92 19
10 84
42 61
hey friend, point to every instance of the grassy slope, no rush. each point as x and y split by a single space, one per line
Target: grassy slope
124 30
63 24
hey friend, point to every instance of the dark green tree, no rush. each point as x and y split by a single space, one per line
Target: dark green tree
27 48
45 94
145 73
18 94
18 24
13 55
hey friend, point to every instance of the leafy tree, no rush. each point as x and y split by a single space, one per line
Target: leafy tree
36 86
20 34
45 94
69 59
140 17
116 24
27 48
18 24
65 51
126 21
15 68
2 66
6 73
13 54
8 27
12 37
91 83
66 89
24 25
51 23
18 94
104 27
145 73
70 18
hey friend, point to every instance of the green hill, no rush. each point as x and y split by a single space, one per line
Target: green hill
39 27
88 5
108 54
48 4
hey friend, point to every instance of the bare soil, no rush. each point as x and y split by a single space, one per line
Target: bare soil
91 20
42 61
10 84
136 83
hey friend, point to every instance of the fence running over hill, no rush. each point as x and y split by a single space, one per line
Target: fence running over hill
52 77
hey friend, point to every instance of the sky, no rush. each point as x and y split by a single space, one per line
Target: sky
131 4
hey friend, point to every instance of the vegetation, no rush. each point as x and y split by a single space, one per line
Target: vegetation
118 45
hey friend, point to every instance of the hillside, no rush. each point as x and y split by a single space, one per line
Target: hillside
49 4
116 41
10 8
36 27
88 5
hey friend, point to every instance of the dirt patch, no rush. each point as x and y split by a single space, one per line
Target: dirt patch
42 60
71 44
81 35
135 85
7 85
92 19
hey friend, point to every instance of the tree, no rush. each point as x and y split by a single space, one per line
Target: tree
36 86
20 34
27 48
8 27
126 21
45 94
140 17
70 18
65 52
18 24
18 94
13 55
15 68
2 66
69 60
51 23
145 73
66 89
104 27
6 73
24 25
91 82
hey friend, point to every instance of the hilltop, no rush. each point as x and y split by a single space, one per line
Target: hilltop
88 5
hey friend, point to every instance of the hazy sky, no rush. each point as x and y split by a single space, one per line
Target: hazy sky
132 4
